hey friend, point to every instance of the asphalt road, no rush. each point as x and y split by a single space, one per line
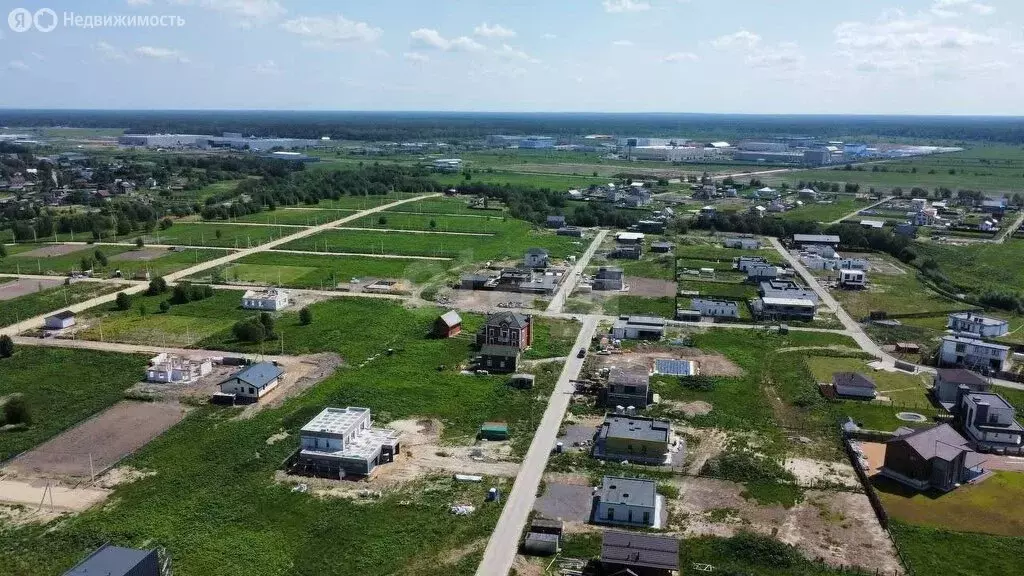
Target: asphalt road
503 546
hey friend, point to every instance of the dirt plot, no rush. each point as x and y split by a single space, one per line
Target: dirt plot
99 442
839 527
877 264
650 287
54 496
810 472
488 300
142 255
21 287
52 250
708 364
565 502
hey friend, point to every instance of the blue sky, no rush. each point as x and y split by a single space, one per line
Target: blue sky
732 56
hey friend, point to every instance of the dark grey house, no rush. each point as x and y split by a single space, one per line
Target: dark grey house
608 278
853 385
110 560
936 458
555 221
949 380
639 554
628 387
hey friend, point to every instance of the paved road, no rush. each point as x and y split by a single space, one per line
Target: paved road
227 259
558 301
858 210
503 545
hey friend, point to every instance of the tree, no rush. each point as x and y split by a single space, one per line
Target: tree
218 234
157 286
166 223
139 243
306 316
3 251
86 263
101 258
267 320
142 309
382 220
123 301
250 330
6 346
182 293
16 411
165 306
433 224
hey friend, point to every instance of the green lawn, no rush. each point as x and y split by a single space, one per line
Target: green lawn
259 527
231 236
936 551
991 507
325 271
296 217
651 266
894 294
121 258
56 401
49 300
901 387
552 338
882 417
979 267
824 212
733 290
663 307
408 221
363 202
281 275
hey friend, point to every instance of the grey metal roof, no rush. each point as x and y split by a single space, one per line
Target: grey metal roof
537 251
940 441
978 319
630 376
644 320
63 315
816 238
498 350
258 375
451 318
635 549
636 428
853 380
960 376
627 491
513 319
975 342
992 399
110 560
673 367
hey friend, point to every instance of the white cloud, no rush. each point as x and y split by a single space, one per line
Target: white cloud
110 53
618 6
783 55
416 57
741 39
37 56
516 54
158 53
325 31
138 2
430 38
496 31
248 12
951 8
680 57
267 68
548 36
906 34
622 43
18 65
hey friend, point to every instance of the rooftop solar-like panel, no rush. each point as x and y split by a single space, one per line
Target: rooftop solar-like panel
673 367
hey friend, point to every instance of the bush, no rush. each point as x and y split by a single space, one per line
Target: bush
267 320
123 301
165 306
6 346
157 286
101 258
166 223
306 316
3 251
139 243
16 411
250 330
185 292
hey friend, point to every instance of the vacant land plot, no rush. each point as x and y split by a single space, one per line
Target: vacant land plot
363 202
979 268
11 288
55 400
731 290
663 306
944 551
50 299
824 211
99 442
991 506
300 217
435 223
216 235
650 287
128 259
143 255
894 294
53 250
900 387
326 271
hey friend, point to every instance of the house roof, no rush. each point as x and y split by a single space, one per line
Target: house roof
960 376
513 319
942 442
662 244
627 491
636 428
816 238
975 342
644 550
630 376
537 252
853 380
498 350
802 302
451 318
978 319
557 217
258 375
110 560
63 315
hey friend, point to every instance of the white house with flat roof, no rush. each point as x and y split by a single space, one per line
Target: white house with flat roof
340 441
716 308
627 502
852 278
977 325
989 420
973 354
271 299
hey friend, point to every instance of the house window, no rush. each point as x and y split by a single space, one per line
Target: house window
960 347
252 390
629 515
647 517
611 513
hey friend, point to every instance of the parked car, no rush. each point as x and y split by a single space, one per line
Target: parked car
581 353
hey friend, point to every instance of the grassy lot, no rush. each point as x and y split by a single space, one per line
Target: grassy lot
979 267
663 307
819 212
552 338
990 507
297 217
325 271
936 551
185 508
444 206
512 243
883 416
490 224
363 202
902 388
733 290
651 266
231 236
54 400
716 252
895 294
49 300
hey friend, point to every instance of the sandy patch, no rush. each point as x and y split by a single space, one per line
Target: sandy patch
810 472
702 445
23 286
650 287
276 438
52 250
54 496
122 475
141 255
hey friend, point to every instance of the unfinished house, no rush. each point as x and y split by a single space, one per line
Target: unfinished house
638 328
166 367
608 278
343 441
628 387
270 300
971 324
638 554
628 502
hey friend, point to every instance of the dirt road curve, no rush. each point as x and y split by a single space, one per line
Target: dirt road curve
558 301
303 233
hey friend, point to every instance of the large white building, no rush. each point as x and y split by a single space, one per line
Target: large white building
978 325
166 367
341 441
271 299
973 354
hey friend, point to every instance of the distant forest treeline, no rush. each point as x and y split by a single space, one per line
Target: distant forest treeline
443 126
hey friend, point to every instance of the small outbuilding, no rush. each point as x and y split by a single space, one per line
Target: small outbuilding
493 431
60 320
110 560
853 385
448 324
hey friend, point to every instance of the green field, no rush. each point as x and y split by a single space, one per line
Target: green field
979 267
663 307
511 244
902 388
443 206
818 212
894 294
323 272
552 338
55 401
650 266
294 217
933 551
363 202
119 258
733 290
532 180
406 221
49 300
231 236
260 527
